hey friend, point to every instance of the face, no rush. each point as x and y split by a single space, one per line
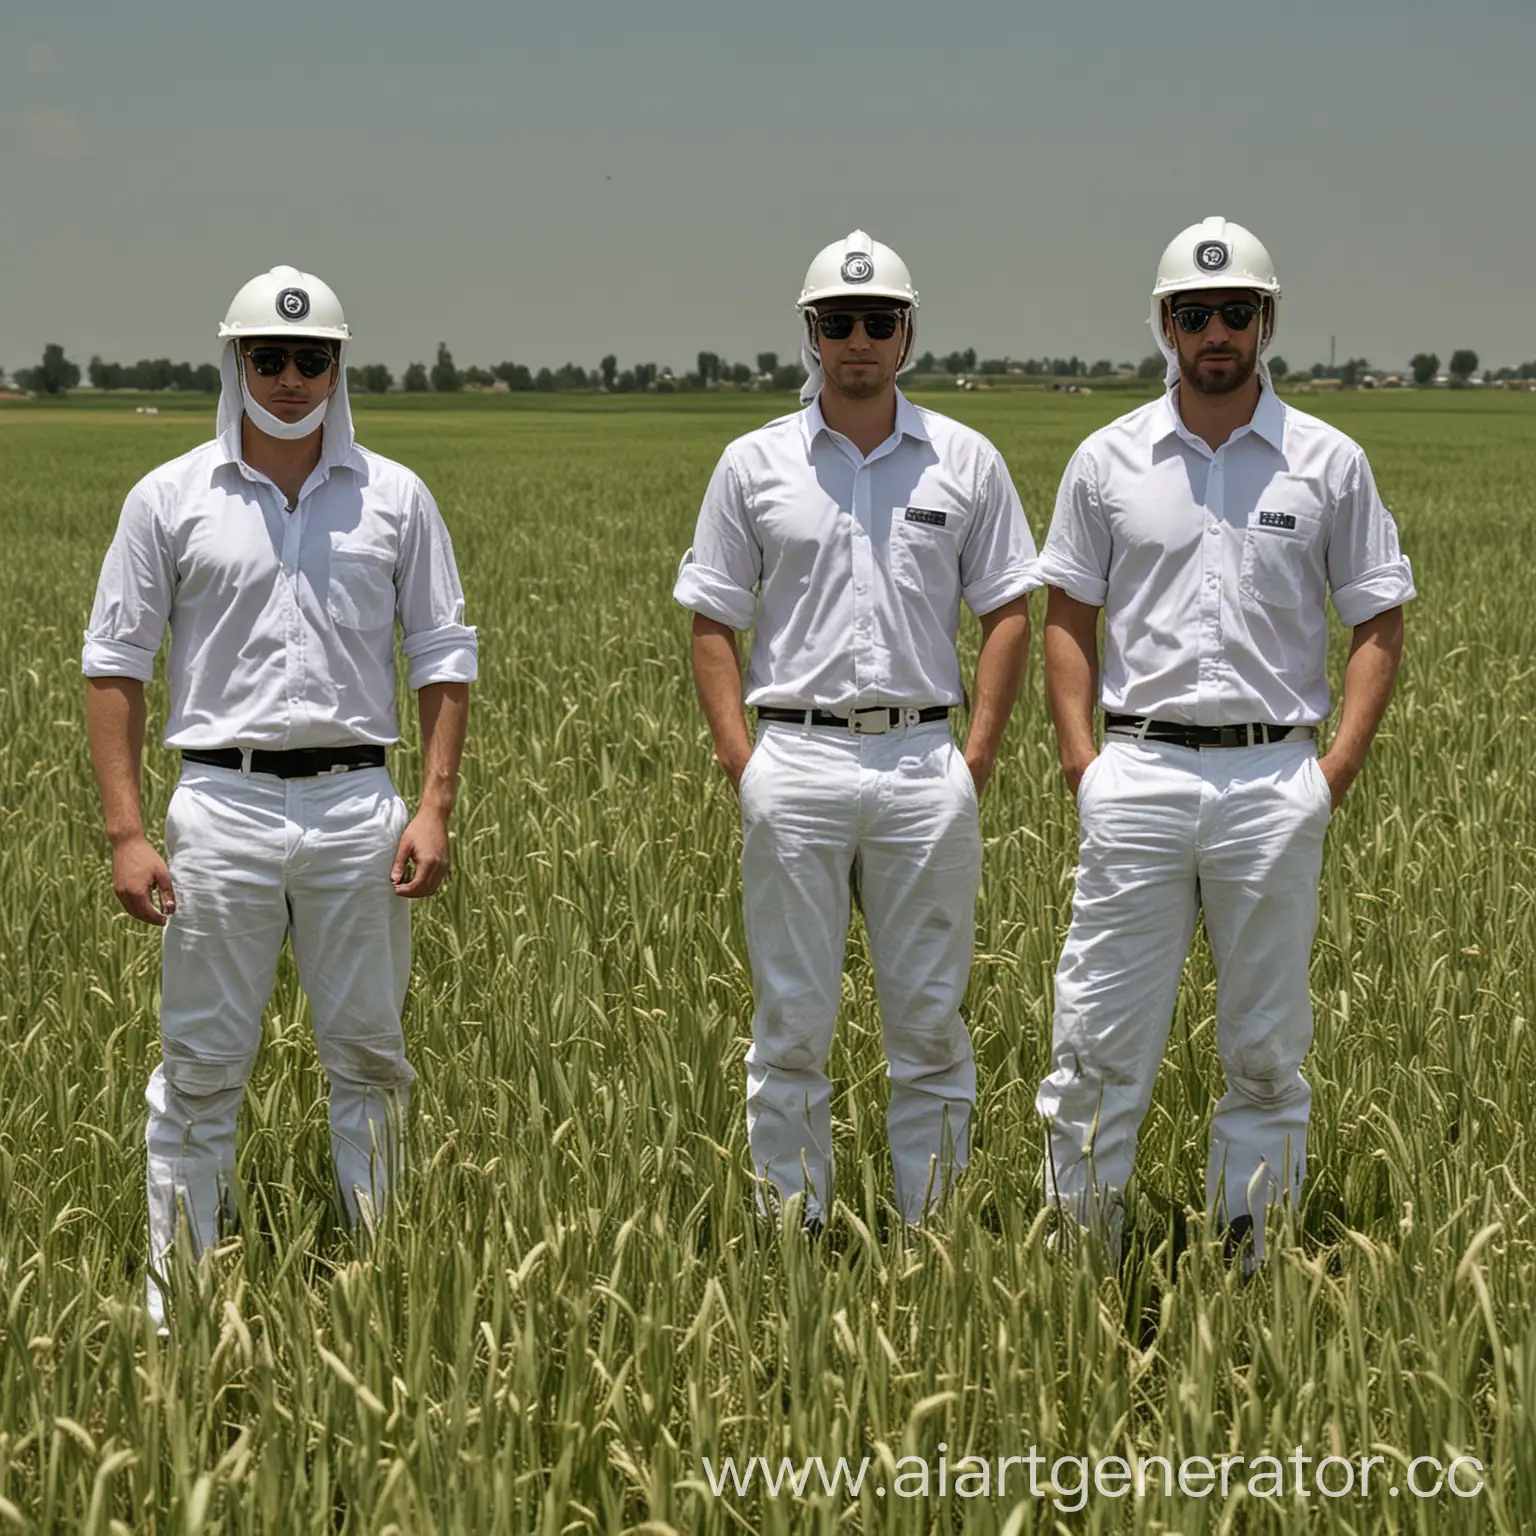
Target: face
288 394
1219 359
859 367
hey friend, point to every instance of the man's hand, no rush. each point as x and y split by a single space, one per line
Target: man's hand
981 765
1075 770
735 766
1339 773
138 874
421 860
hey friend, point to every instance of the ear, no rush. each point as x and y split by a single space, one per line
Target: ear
1167 323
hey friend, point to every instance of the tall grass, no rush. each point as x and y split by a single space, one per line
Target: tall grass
574 1303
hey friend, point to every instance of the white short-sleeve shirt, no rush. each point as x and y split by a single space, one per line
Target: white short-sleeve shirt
852 569
282 623
1214 569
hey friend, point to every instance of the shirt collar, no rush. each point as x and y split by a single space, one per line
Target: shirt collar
1268 420
229 444
909 420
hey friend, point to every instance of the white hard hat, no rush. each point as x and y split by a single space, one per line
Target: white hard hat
1216 254
285 302
857 267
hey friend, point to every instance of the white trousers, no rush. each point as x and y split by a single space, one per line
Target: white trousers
1168 832
894 818
254 860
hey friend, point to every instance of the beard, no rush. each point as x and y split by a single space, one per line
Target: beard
863 385
1239 371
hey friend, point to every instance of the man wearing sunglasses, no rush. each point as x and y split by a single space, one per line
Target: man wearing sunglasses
846 536
1211 526
281 555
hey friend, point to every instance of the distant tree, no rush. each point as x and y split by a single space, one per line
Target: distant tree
106 375
1528 370
416 381
740 374
445 377
645 375
1424 366
1278 367
709 368
53 375
1463 364
992 366
514 375
1150 368
969 356
153 373
544 379
955 363
377 379
1101 369
1034 367
571 376
768 362
478 378
1319 370
788 376
1351 371
609 368
205 379
927 363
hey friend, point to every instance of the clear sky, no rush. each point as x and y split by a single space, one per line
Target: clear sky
544 181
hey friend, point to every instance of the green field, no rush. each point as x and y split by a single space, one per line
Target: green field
573 1304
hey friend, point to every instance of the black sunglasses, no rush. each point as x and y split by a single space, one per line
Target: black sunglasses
1236 315
879 324
310 361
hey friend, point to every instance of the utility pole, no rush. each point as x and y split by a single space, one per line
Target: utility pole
1331 350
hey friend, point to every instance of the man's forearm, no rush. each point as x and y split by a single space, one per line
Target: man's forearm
1369 678
114 726
999 673
717 676
1071 677
444 712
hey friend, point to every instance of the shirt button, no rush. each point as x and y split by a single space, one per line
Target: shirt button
1215 528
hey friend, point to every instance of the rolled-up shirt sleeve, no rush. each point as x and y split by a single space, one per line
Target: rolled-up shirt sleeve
1367 571
133 594
429 600
998 562
720 572
1077 548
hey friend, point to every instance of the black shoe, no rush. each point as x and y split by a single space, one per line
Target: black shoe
1237 1244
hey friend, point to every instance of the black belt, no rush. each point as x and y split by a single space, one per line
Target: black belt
862 722
1257 733
301 763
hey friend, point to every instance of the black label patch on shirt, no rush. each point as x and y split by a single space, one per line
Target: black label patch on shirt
928 515
1277 519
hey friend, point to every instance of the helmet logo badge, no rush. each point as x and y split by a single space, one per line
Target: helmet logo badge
1212 255
293 303
858 268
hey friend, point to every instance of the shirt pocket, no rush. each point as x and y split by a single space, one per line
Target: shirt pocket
925 549
1277 555
361 591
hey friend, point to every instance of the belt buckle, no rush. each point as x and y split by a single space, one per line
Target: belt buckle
246 754
871 729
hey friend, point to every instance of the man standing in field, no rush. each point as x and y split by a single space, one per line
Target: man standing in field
1210 526
848 534
281 554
